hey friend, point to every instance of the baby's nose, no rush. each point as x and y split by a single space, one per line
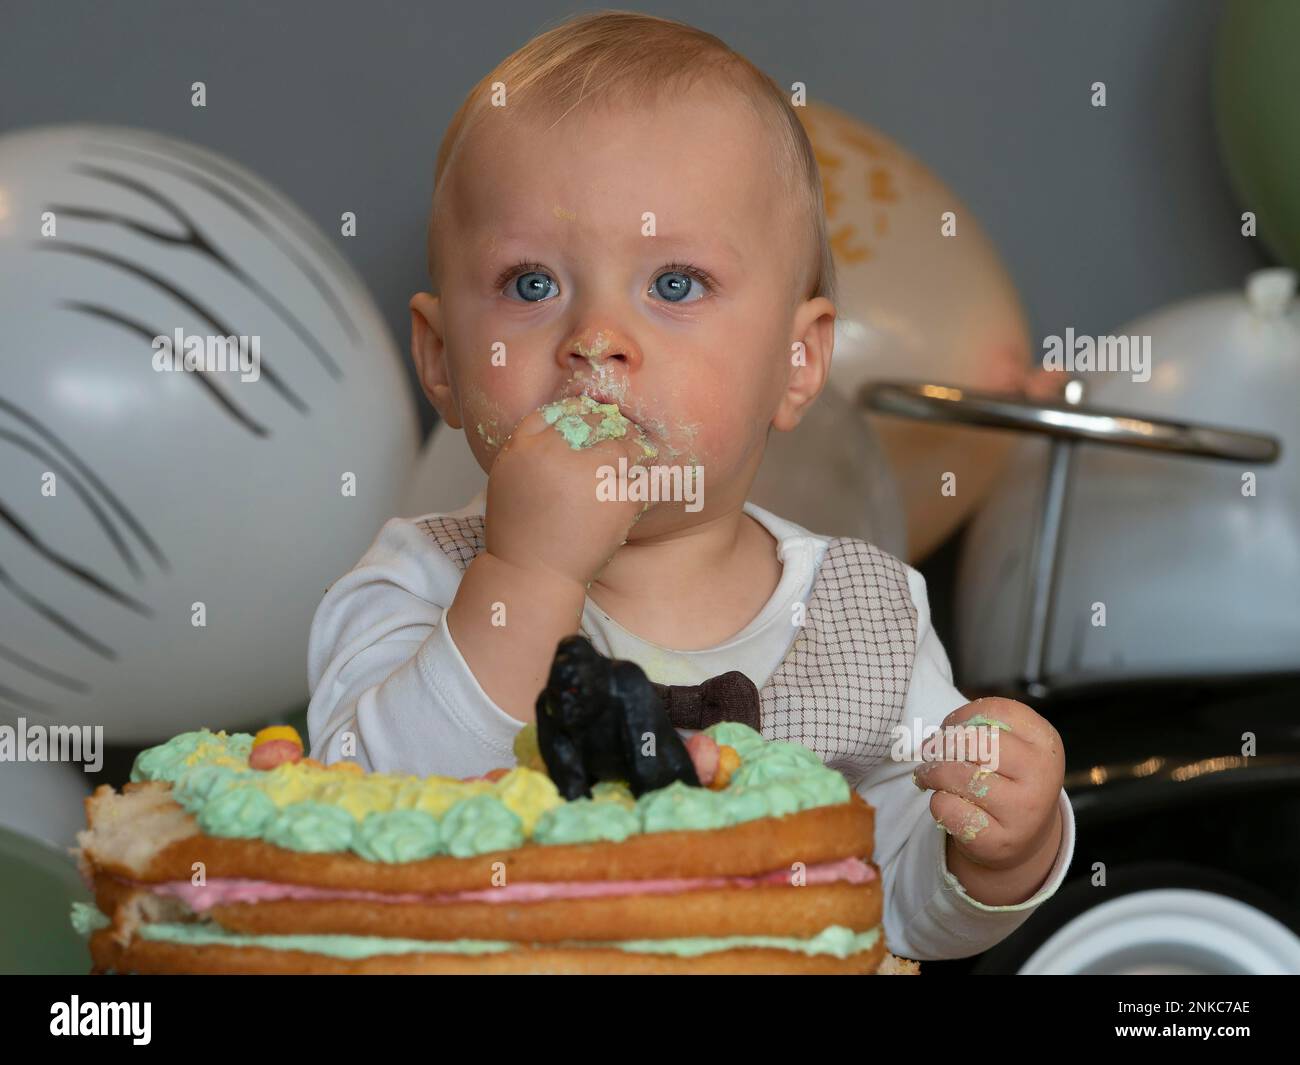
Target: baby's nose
591 352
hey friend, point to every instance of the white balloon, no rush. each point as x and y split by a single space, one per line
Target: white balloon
1196 577
831 476
923 296
44 800
445 475
828 475
176 489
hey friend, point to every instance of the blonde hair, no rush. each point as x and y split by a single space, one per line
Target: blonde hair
624 57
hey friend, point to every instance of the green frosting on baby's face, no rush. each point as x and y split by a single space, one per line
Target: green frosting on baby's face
569 418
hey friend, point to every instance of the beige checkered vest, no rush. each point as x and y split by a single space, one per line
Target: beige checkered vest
841 688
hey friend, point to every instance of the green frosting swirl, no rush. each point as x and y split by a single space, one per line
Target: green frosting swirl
586 821
740 738
196 788
790 778
311 826
157 763
680 806
398 836
241 813
825 787
744 804
481 824
777 759
784 796
168 760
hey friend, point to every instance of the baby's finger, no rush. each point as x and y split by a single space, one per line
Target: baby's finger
1010 756
633 445
1001 751
964 820
1006 716
530 424
1011 803
966 780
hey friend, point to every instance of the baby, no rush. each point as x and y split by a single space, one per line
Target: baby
630 270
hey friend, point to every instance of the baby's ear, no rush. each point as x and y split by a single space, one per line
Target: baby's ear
429 354
809 361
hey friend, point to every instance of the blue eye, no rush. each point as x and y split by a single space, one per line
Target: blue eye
677 283
532 286
680 281
673 286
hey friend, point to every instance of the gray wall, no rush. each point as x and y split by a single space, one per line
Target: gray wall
1101 214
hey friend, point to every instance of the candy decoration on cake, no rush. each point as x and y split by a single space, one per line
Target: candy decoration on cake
276 745
600 719
714 762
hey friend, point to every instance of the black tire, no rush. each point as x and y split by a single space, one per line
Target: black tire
1077 896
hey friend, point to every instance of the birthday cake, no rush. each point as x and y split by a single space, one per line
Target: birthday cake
612 846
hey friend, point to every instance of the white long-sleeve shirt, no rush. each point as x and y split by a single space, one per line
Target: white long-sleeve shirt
384 669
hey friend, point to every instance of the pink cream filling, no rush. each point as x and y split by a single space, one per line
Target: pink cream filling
221 890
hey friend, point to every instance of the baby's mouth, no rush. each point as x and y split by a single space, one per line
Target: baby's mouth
598 393
618 421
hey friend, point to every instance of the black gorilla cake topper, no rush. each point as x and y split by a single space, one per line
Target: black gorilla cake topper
599 719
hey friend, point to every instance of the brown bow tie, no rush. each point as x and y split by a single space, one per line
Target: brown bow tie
727 697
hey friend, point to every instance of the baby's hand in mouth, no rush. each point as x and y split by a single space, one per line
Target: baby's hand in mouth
545 510
584 421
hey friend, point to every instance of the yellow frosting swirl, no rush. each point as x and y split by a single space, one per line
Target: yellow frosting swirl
527 794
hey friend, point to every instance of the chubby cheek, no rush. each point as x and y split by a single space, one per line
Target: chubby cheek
491 397
734 386
492 400
714 422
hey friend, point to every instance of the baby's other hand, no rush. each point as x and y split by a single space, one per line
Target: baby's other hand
998 798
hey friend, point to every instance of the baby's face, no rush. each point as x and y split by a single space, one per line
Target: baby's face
650 258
